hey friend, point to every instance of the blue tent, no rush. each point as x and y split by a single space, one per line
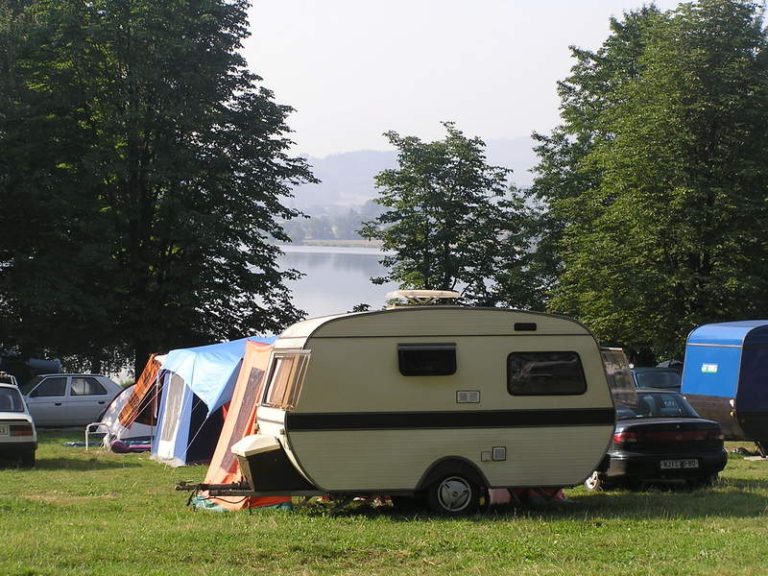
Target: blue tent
725 376
196 384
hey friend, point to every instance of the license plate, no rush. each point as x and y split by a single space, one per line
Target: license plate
3 429
679 464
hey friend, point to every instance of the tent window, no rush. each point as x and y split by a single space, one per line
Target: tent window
286 375
545 374
175 397
427 359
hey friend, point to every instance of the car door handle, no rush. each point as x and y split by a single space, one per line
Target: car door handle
57 403
102 402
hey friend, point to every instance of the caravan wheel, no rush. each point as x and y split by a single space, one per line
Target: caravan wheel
454 495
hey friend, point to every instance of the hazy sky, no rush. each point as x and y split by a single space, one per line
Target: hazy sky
354 69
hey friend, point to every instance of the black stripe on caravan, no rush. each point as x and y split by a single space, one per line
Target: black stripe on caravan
450 420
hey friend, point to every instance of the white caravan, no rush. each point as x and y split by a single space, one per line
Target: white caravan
436 402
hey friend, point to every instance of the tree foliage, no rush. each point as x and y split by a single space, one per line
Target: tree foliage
141 177
451 221
656 178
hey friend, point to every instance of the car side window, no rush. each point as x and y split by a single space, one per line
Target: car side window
84 386
54 386
545 374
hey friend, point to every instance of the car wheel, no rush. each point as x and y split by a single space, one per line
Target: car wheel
703 481
636 485
596 482
454 495
27 460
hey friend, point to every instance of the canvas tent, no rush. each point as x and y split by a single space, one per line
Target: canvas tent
141 404
128 423
240 421
195 384
118 437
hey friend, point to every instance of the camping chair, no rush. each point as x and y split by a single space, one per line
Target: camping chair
93 428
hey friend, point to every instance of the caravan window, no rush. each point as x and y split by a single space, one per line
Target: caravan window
545 374
427 359
286 375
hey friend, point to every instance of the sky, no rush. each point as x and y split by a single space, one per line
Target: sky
354 69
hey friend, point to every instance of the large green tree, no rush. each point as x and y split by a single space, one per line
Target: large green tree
142 168
661 191
451 221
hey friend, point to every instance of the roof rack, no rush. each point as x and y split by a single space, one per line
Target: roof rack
420 297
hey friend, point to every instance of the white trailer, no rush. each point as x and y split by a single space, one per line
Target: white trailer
440 402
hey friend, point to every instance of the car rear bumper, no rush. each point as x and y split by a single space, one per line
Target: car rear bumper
14 449
647 467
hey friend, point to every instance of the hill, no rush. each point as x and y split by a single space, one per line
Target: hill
347 178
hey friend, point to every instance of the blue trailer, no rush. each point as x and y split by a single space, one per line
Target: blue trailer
725 377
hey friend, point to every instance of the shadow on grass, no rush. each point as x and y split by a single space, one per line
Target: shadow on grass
651 504
82 464
744 484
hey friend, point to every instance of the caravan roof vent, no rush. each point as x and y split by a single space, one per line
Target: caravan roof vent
420 297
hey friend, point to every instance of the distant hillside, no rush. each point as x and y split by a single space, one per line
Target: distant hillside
347 178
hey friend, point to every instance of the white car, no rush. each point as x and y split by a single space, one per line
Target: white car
18 437
69 399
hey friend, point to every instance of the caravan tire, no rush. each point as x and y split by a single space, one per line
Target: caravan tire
454 495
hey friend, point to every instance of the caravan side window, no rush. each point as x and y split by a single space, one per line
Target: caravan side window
426 359
545 374
286 375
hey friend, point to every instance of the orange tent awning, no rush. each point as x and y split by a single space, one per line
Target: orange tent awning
241 421
142 403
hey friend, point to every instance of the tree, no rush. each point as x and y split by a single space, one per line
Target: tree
141 178
565 170
451 221
668 230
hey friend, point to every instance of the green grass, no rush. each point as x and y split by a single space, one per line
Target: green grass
93 512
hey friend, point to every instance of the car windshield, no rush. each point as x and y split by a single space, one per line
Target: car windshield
10 400
656 405
657 379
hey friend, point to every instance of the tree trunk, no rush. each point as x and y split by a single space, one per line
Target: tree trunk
142 352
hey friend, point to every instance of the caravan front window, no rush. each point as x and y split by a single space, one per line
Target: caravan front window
286 375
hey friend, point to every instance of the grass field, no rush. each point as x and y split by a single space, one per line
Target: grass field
94 512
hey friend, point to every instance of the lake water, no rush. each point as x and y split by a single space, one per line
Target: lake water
336 279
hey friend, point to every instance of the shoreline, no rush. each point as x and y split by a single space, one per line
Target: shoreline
375 244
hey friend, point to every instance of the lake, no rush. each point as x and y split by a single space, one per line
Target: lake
336 278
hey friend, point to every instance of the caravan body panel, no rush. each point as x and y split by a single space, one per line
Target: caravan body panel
725 377
360 424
